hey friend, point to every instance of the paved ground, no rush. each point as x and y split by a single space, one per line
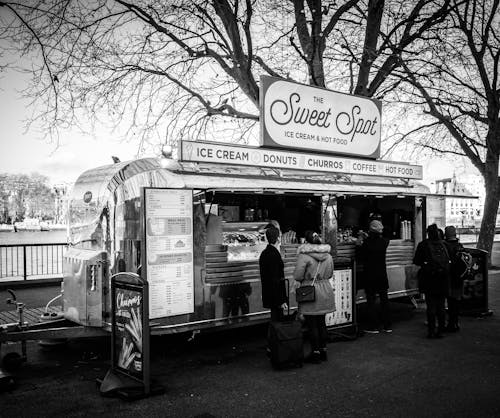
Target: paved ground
226 374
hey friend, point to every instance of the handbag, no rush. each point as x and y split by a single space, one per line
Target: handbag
307 293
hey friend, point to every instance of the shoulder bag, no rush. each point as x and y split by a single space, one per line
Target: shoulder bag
307 293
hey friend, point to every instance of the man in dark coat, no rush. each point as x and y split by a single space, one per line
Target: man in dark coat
272 276
373 253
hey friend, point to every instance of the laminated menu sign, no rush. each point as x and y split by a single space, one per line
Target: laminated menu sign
128 332
130 373
168 219
342 285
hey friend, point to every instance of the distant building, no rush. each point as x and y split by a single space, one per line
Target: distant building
464 207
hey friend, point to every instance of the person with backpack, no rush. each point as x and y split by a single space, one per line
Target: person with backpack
455 249
434 279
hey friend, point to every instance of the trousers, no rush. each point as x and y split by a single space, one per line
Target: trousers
318 333
385 314
435 310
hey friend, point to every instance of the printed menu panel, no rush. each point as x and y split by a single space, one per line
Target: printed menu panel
128 342
342 286
169 251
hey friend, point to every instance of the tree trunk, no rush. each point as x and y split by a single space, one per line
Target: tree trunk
488 223
317 71
374 19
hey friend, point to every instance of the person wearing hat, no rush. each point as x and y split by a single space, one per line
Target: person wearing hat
456 278
373 252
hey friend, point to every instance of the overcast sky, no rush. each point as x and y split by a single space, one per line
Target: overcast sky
27 152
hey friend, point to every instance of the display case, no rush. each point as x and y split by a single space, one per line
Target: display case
244 240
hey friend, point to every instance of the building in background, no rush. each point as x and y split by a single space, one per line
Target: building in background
464 206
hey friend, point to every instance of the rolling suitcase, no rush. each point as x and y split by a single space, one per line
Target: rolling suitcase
285 341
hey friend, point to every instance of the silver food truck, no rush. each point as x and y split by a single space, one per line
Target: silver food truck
194 229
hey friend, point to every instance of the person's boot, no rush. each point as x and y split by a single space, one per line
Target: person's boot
440 331
434 333
452 325
314 358
323 355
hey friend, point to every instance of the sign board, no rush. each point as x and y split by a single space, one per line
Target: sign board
475 287
168 253
342 283
227 154
130 327
297 116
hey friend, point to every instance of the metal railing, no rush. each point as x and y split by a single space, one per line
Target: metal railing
31 261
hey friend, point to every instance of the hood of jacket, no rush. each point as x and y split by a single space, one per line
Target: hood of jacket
319 252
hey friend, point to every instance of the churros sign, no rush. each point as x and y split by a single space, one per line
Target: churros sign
311 118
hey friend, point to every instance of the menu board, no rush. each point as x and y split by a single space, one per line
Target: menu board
128 332
169 251
342 286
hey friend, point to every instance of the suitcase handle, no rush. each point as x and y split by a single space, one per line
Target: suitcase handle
288 293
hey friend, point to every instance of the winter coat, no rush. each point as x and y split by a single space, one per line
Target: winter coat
272 277
373 254
308 258
429 281
456 280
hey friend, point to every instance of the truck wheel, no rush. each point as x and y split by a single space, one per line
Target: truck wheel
11 362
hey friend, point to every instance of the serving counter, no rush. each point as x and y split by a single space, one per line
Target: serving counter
401 271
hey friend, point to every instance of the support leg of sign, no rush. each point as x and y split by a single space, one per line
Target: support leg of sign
488 312
118 385
114 382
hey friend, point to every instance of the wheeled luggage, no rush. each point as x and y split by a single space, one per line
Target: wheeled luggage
285 341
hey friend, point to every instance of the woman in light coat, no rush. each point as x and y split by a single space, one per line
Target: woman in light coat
314 256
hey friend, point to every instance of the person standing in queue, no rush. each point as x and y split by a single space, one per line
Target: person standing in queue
272 276
456 278
434 278
314 263
373 252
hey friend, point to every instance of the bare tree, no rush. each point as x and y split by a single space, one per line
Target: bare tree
456 80
191 68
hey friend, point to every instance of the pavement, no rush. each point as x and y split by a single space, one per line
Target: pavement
227 374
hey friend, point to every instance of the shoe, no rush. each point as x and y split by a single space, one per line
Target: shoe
452 328
434 335
323 355
372 331
314 358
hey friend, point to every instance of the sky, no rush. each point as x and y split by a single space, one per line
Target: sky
25 152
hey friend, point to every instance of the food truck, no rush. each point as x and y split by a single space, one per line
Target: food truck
195 230
193 227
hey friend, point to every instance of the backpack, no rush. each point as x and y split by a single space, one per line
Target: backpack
439 262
